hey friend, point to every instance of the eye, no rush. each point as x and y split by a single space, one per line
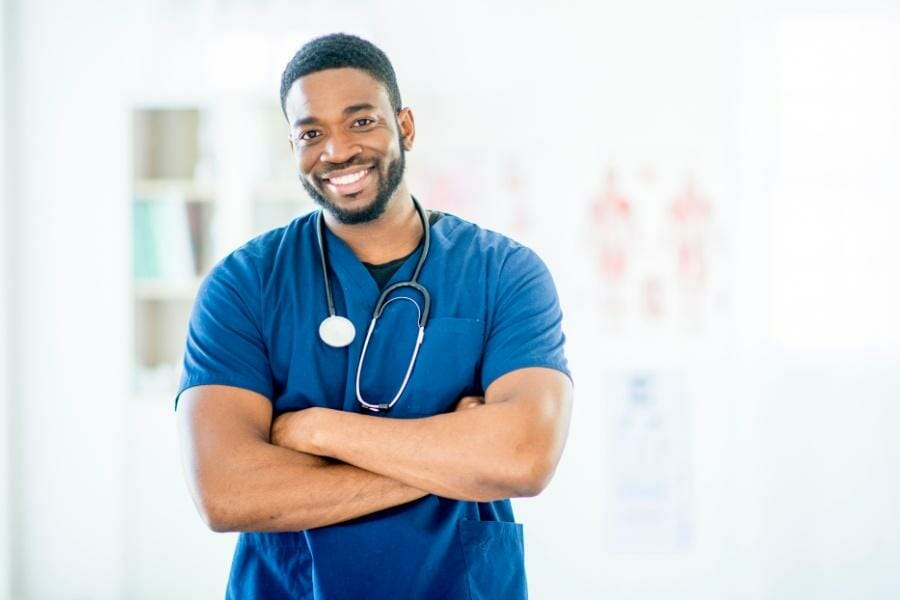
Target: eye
364 121
308 135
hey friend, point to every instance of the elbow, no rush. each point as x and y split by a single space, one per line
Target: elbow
521 478
522 471
530 476
217 515
226 514
534 478
223 521
218 523
214 518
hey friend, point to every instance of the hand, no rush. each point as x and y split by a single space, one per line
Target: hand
281 430
294 430
468 402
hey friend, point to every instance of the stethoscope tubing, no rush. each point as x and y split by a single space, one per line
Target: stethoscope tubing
382 302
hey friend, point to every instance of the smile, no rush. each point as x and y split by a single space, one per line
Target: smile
348 184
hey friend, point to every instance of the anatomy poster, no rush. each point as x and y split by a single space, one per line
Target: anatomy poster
649 462
655 240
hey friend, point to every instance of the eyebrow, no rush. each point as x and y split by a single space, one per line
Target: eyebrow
347 111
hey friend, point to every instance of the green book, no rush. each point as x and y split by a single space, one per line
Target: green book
146 259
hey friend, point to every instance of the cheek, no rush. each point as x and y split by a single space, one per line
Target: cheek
385 140
306 161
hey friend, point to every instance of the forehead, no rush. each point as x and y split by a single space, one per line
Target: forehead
325 94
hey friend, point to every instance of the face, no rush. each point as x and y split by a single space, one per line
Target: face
348 142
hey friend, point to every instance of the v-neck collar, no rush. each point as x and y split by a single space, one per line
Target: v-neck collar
355 278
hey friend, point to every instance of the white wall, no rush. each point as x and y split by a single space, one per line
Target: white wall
71 298
792 447
6 428
819 385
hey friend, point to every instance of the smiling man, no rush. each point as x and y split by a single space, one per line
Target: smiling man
366 387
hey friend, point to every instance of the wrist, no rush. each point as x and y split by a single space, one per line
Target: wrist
318 425
311 430
298 430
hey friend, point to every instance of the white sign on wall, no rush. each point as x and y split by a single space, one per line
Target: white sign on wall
649 462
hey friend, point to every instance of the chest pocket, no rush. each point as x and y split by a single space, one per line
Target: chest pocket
446 369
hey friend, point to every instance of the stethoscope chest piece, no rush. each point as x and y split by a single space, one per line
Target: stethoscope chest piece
337 331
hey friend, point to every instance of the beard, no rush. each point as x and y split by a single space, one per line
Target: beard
387 185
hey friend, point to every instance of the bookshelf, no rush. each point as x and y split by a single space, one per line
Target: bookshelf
206 178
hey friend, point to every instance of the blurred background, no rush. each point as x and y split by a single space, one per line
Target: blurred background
715 186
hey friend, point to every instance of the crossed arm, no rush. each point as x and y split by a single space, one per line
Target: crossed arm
319 466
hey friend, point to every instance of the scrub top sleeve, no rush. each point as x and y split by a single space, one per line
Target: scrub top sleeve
225 345
526 323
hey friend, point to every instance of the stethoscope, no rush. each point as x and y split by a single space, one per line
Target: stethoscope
338 331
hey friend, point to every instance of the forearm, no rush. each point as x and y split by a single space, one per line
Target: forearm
480 454
276 489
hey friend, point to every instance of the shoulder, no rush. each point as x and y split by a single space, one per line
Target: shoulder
465 236
500 257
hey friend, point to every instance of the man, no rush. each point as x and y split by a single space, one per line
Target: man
390 478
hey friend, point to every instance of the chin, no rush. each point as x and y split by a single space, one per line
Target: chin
354 212
363 200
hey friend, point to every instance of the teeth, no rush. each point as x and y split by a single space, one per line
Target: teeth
348 179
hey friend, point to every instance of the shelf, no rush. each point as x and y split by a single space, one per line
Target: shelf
157 384
285 190
156 289
189 190
153 398
204 181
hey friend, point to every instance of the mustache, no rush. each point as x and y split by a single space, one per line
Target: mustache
353 162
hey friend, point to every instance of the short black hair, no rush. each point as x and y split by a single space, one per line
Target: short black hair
338 50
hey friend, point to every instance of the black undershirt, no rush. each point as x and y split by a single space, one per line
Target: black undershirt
382 273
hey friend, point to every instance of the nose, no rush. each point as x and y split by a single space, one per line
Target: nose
339 148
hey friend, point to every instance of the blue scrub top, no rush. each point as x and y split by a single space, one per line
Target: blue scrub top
255 326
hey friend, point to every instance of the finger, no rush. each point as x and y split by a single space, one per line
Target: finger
469 402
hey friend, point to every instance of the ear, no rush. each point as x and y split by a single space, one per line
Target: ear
291 142
407 125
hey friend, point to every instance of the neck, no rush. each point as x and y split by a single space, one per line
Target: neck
393 235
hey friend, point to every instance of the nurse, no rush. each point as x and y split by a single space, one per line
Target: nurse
388 477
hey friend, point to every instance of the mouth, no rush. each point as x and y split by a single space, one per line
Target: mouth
348 183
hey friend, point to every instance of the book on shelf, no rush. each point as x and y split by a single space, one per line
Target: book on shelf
199 216
170 239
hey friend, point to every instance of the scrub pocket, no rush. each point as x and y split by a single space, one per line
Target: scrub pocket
495 559
270 566
446 368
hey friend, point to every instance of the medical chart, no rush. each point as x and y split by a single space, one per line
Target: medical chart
648 462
